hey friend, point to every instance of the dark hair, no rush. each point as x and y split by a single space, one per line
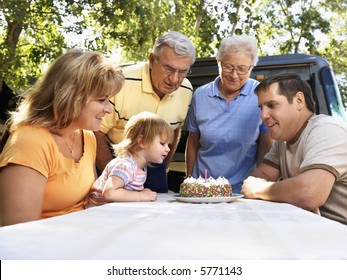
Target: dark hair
288 85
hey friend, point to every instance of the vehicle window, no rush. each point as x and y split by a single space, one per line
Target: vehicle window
332 93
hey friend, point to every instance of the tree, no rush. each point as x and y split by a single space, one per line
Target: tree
334 45
314 27
30 37
34 32
286 26
136 24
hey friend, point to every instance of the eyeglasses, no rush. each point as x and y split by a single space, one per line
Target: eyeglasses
170 71
242 69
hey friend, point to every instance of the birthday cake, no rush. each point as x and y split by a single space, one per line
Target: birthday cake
201 187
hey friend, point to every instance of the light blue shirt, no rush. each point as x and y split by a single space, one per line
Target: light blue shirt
229 133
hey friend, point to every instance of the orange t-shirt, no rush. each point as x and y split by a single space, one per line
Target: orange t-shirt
68 182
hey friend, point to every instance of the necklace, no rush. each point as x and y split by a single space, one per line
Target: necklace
72 153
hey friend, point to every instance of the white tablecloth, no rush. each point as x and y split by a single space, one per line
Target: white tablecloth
172 230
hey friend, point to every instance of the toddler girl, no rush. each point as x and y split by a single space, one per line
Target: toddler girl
146 139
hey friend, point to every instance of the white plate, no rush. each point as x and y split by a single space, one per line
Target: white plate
208 199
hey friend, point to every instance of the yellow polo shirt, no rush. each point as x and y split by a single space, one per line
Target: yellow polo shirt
137 95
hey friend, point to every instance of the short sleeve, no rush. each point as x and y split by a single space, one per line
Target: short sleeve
325 146
273 156
125 169
30 147
191 117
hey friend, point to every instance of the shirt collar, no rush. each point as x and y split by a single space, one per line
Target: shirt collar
146 79
298 134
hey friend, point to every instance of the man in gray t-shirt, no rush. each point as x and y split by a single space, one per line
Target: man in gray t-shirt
307 164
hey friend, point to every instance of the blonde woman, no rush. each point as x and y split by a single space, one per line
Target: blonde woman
146 140
47 165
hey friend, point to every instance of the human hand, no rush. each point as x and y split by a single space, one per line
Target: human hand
254 187
148 195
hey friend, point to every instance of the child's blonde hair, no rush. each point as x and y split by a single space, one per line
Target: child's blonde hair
142 129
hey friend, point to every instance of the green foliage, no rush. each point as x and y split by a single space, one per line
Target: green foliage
30 38
335 51
289 26
134 25
34 32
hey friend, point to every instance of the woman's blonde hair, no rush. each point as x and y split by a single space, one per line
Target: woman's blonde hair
72 80
142 129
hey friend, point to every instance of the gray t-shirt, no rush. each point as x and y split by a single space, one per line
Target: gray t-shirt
322 144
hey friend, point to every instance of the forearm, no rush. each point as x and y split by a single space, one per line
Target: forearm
168 159
281 191
288 191
264 146
173 146
190 160
266 172
114 191
191 152
260 174
122 195
309 190
103 153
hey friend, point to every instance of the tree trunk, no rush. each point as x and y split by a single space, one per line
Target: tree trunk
199 13
234 23
13 32
12 37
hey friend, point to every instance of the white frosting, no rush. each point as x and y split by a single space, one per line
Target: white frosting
222 181
201 180
189 180
208 182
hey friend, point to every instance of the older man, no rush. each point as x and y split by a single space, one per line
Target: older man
159 86
307 164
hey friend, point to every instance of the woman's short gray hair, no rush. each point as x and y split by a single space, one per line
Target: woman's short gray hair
238 43
177 41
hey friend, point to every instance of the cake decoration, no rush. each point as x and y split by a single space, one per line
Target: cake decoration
205 187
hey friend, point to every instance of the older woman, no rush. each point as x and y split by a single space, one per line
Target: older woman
47 165
226 134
